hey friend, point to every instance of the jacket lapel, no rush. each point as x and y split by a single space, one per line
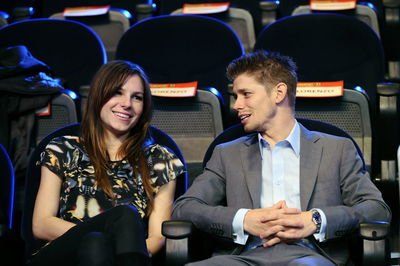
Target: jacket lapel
251 159
310 157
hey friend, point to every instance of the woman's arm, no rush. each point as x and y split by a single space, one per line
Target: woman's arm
162 210
45 223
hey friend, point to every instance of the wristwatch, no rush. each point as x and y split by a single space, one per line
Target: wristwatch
316 218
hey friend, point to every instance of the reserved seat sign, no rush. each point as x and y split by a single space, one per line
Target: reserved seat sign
205 8
332 5
320 89
188 89
85 11
44 111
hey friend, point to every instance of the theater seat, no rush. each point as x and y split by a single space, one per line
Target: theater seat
353 54
71 49
183 48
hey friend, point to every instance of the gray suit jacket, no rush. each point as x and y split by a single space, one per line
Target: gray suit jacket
331 179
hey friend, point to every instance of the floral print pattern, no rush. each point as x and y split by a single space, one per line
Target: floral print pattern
81 198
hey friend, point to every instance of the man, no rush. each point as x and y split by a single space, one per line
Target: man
285 195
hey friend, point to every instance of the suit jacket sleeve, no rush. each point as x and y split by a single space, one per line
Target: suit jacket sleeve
204 204
361 201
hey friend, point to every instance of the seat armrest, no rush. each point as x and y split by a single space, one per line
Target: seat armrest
389 130
177 235
177 229
388 89
144 11
269 11
4 17
374 235
22 13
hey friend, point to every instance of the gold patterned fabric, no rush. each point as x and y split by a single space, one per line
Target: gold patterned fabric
81 198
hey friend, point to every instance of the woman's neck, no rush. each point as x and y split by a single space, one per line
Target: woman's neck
113 145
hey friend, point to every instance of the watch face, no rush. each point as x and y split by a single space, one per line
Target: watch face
316 217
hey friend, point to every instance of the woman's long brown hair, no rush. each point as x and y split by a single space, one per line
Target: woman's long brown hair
106 82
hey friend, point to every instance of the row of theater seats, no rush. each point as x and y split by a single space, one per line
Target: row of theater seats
186 48
248 16
380 70
174 49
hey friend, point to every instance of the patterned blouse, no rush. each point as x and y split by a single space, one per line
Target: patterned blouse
80 198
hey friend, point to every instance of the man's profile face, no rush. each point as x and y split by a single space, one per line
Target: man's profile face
256 108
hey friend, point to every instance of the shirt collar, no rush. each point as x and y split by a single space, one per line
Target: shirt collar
293 139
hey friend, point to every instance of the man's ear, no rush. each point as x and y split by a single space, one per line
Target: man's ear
281 92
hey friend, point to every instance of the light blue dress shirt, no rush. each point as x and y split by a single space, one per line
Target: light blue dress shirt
280 180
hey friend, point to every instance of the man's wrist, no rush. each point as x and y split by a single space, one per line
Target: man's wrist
239 235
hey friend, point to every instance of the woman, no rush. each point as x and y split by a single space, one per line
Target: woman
104 195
